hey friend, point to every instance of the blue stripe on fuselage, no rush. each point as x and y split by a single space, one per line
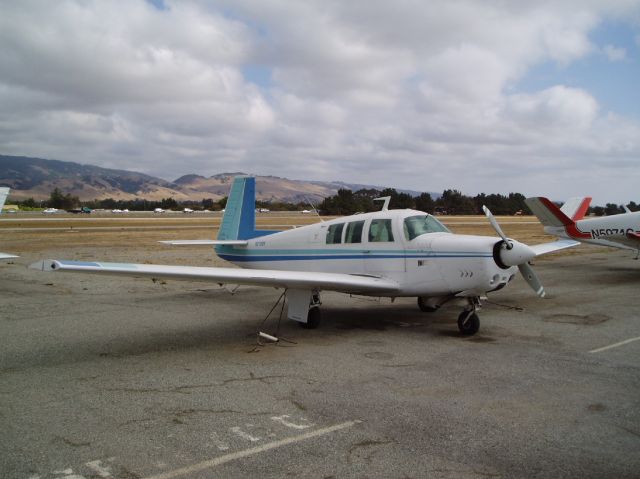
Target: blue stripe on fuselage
305 256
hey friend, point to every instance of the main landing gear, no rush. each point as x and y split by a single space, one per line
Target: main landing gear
314 315
468 321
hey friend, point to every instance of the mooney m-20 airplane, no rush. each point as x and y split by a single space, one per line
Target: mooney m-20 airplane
4 192
389 253
617 231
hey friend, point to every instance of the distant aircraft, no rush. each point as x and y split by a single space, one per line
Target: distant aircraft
388 253
616 231
158 210
4 192
50 211
187 210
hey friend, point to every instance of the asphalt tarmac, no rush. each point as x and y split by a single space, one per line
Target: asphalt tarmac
106 377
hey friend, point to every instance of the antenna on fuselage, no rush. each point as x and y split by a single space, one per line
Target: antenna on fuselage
313 208
386 199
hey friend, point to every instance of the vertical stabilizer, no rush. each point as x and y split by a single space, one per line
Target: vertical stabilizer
239 220
576 208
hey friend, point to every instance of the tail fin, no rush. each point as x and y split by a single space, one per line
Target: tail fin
547 212
4 192
239 220
576 208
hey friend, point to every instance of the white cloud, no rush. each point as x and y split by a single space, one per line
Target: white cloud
614 54
394 93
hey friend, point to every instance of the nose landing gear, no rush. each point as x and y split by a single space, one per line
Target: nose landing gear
468 321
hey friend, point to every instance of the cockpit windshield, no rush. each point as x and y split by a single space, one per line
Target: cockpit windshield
415 226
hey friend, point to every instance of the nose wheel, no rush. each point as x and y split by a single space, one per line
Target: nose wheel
468 323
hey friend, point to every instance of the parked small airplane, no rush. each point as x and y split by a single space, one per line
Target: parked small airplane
4 192
616 231
187 210
389 253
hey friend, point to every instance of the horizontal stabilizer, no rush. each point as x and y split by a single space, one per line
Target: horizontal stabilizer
553 246
205 242
547 212
345 283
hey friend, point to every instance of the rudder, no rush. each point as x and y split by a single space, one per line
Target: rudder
239 220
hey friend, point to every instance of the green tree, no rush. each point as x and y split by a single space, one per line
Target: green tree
424 202
61 201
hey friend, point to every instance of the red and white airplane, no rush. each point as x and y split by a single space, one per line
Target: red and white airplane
388 253
616 231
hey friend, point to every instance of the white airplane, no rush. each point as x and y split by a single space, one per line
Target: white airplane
187 210
158 210
389 253
616 231
4 192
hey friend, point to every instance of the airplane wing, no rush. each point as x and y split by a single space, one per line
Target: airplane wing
553 246
345 283
7 256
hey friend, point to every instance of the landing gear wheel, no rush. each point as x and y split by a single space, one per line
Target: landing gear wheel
425 307
468 323
313 319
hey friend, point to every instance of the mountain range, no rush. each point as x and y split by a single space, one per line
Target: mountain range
36 178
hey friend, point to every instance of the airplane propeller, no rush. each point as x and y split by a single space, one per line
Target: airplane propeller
510 252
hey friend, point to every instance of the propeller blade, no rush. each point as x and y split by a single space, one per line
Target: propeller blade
496 226
531 279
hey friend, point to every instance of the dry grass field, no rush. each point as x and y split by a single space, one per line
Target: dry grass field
21 234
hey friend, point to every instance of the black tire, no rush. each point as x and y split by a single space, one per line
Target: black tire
313 319
424 307
468 324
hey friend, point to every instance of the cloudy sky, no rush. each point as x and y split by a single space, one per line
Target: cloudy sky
539 97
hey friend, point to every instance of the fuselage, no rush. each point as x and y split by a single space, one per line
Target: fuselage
408 246
617 231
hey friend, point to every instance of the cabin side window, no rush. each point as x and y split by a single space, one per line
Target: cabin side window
354 232
380 231
334 234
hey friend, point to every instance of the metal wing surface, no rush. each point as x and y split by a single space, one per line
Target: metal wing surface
553 246
345 283
7 256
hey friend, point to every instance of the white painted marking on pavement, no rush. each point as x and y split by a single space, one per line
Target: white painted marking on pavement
99 469
244 435
615 345
221 445
283 420
250 452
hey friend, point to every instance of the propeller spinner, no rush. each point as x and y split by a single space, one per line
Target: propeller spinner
509 252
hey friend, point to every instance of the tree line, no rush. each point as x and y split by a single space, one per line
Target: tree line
345 202
451 202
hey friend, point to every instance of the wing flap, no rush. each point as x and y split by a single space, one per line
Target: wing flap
345 283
